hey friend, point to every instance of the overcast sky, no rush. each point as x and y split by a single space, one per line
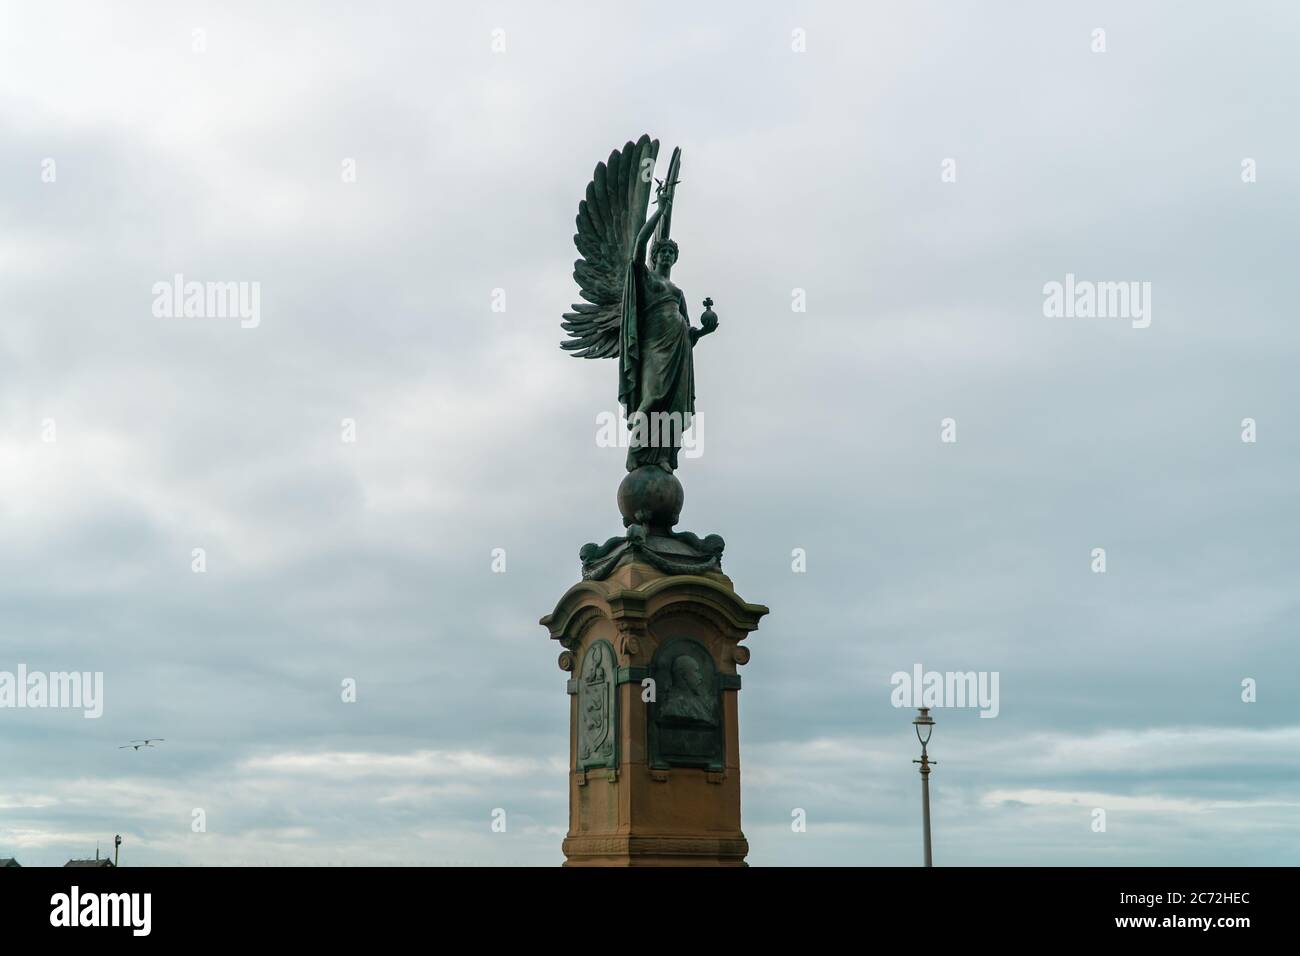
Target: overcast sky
822 171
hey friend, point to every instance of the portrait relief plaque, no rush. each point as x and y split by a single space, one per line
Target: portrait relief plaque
686 716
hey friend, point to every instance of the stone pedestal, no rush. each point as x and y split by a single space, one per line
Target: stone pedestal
654 752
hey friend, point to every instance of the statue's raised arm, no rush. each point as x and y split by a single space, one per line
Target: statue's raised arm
643 237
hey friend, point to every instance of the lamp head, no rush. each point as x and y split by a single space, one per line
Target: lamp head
924 725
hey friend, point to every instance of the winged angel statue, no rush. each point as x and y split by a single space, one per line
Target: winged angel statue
632 310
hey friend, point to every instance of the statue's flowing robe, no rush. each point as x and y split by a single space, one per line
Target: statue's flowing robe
656 366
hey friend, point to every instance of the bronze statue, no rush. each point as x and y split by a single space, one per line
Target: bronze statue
632 310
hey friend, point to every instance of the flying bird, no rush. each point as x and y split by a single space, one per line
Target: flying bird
137 744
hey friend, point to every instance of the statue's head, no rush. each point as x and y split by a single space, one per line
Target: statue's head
663 254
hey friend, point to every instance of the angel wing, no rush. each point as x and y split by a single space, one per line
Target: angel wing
608 222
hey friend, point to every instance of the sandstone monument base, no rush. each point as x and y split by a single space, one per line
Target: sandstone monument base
654 752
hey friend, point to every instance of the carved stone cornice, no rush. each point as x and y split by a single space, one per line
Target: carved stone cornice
636 595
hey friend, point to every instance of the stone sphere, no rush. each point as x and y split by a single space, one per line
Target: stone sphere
650 497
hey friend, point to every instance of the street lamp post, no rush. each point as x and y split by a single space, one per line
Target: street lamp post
924 725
